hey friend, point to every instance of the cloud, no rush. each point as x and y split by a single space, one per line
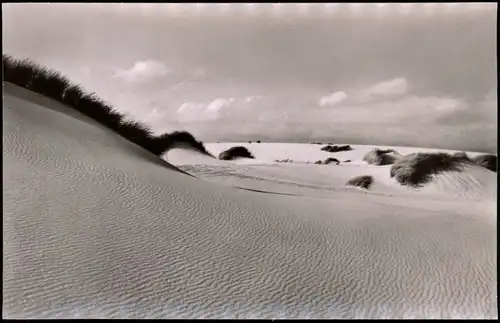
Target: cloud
217 109
448 105
406 110
190 107
252 98
384 90
333 99
218 104
390 88
198 74
192 111
390 115
144 71
484 112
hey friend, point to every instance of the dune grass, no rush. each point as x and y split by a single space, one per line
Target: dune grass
416 169
487 161
364 181
381 157
235 152
27 74
461 155
335 148
176 138
331 160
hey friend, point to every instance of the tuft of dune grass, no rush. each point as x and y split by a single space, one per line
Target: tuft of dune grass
331 160
235 152
487 161
417 169
461 155
51 83
381 157
364 181
170 140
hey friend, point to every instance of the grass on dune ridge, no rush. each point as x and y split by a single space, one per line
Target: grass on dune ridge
51 83
419 168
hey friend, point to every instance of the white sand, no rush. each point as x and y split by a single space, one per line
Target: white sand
95 227
305 178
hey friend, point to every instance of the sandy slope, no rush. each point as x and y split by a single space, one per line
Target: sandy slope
95 227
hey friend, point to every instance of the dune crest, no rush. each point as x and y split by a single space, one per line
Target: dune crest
52 84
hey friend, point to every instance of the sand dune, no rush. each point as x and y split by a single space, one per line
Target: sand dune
302 176
96 227
473 182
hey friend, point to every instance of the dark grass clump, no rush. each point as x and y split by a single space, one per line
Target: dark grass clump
461 156
331 160
72 95
27 74
287 160
333 149
139 134
7 63
327 161
330 149
344 148
486 161
33 77
93 107
235 152
19 72
364 181
417 169
177 139
49 82
381 157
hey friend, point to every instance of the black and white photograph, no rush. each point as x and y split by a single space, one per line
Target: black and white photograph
249 160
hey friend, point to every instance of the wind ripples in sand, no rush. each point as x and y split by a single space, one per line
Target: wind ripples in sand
93 230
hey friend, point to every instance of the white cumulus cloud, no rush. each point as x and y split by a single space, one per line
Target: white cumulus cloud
218 104
144 71
333 99
447 105
394 87
220 108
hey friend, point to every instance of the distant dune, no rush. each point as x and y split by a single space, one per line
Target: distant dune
297 173
96 226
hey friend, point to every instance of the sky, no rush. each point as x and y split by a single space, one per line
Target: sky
420 75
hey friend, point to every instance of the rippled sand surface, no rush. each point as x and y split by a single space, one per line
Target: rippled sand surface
94 227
